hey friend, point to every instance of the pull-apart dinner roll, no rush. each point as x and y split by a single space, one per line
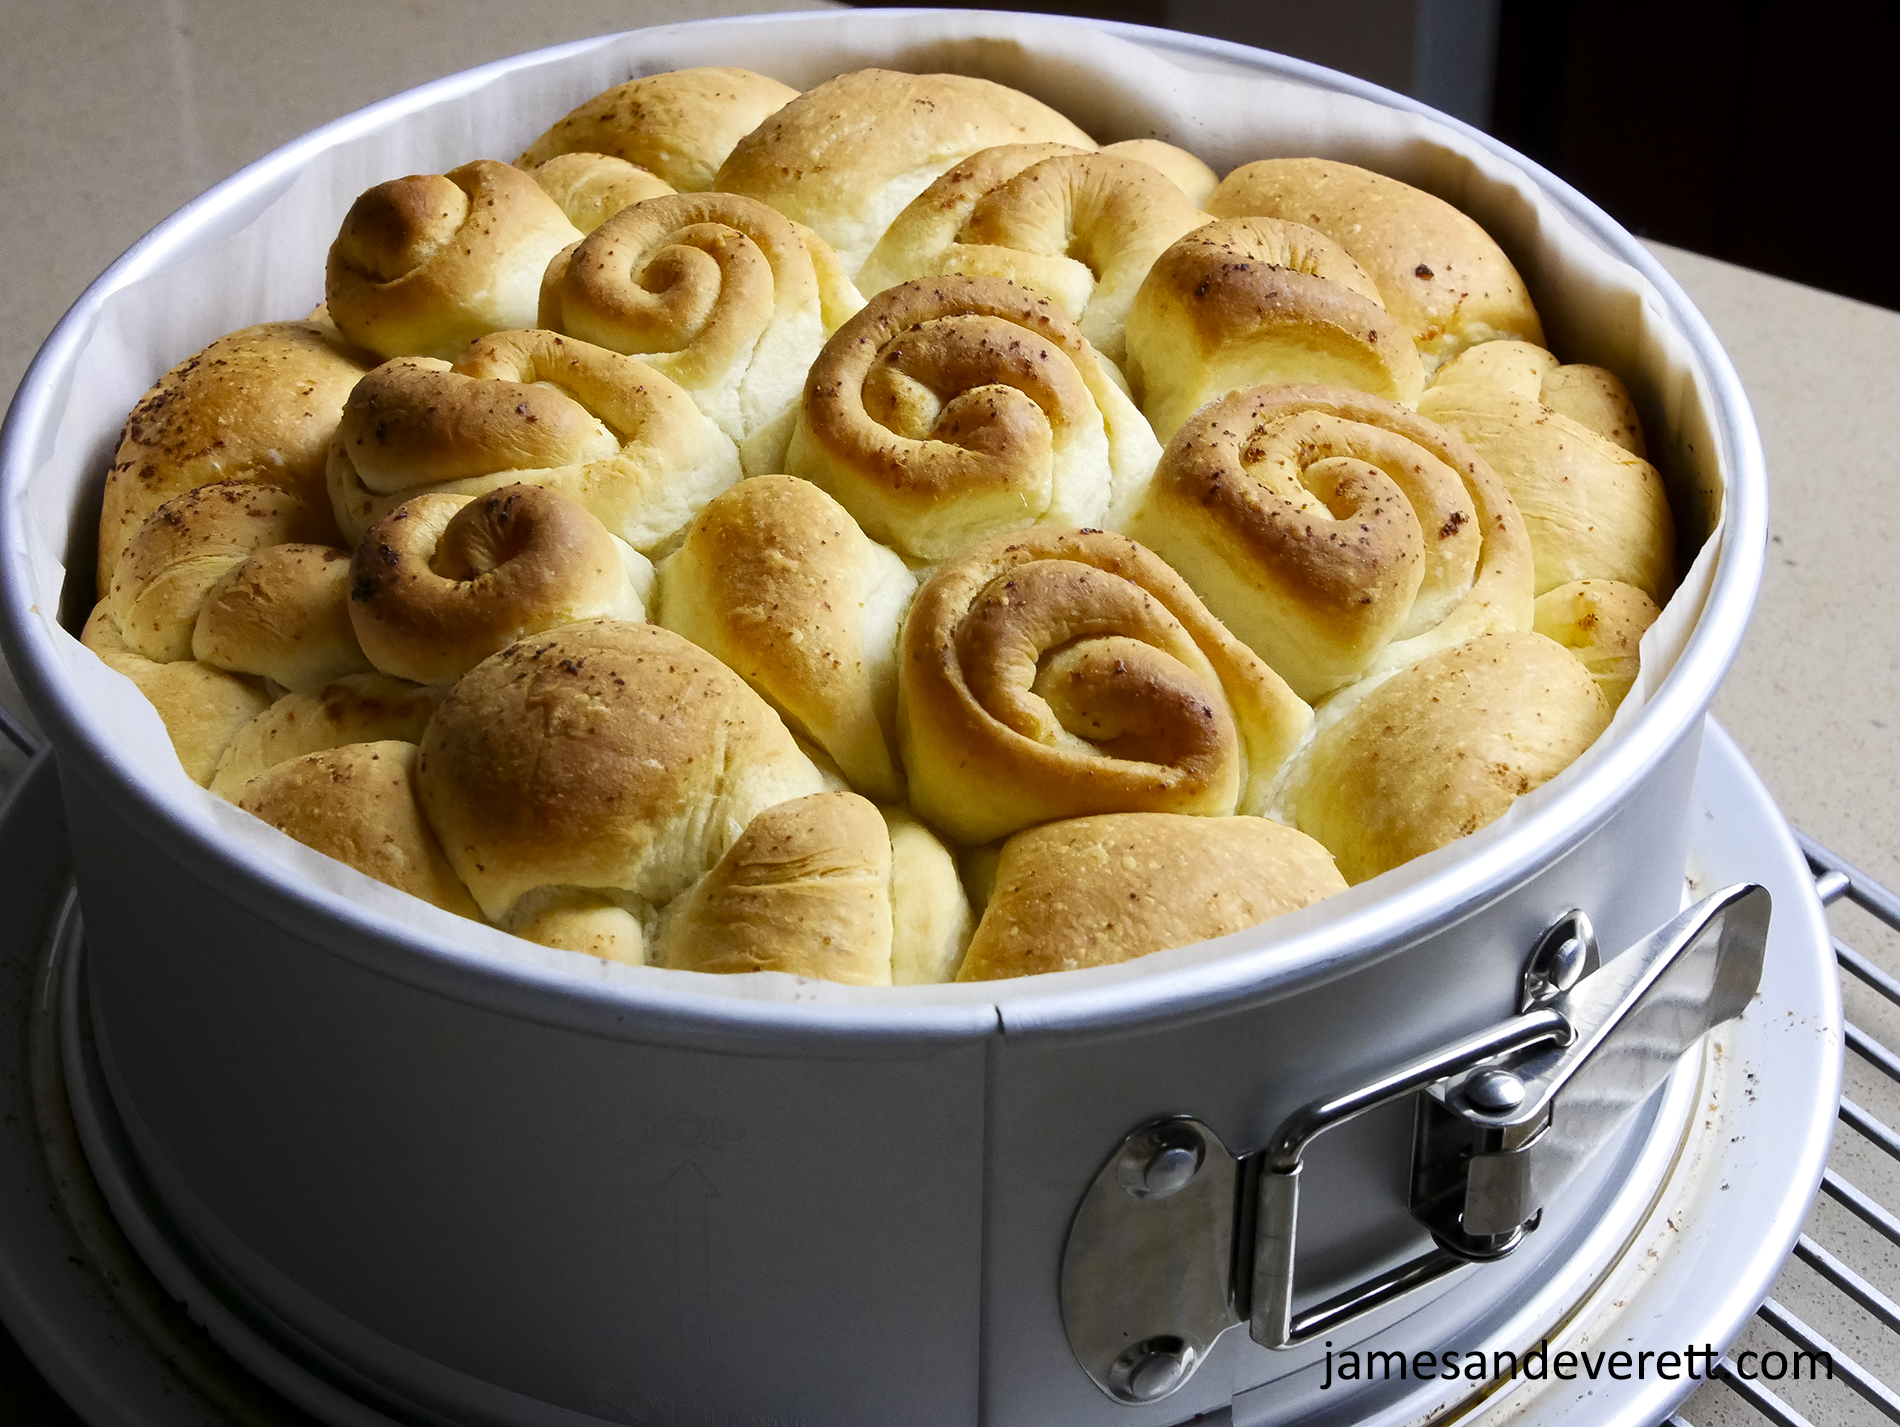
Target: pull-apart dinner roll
1442 748
203 708
358 708
1248 302
591 188
847 157
283 614
1181 168
581 779
824 886
679 124
778 582
1593 397
1438 272
185 548
955 409
537 408
719 293
1081 229
1101 890
1338 535
358 804
1065 672
446 580
426 264
1595 510
259 405
1602 622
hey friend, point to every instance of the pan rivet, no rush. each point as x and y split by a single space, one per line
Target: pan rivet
1495 1091
1159 1161
1170 1169
1151 1369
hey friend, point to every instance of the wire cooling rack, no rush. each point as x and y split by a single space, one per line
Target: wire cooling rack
1827 1364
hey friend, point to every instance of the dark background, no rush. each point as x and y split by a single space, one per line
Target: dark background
1759 134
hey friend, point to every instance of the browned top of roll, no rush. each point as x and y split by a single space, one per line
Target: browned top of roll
681 124
282 613
591 188
358 804
259 404
1101 890
603 754
357 708
1439 273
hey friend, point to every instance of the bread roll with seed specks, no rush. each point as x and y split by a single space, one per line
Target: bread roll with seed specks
203 708
283 614
186 547
1246 302
358 708
358 804
1594 510
603 756
426 264
1593 397
847 156
952 410
1442 748
1181 168
591 188
1437 271
260 404
1339 536
679 124
1081 229
720 294
444 581
537 408
1101 890
1060 673
1602 622
776 580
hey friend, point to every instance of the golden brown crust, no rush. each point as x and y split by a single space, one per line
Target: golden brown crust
847 156
186 547
1336 534
1442 748
358 804
426 264
1602 622
680 124
444 581
1248 302
591 188
1593 397
951 410
777 581
358 708
805 890
1101 890
284 614
1438 272
203 708
602 755
533 407
258 404
1060 673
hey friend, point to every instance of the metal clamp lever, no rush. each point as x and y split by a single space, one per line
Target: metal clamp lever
1178 1239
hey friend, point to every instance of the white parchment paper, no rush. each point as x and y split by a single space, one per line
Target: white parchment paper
269 265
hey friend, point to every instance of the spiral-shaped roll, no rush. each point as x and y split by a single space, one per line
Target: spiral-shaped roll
1338 535
426 264
537 408
591 188
1065 672
260 404
1081 229
1253 302
284 615
955 409
446 580
719 293
679 124
1437 271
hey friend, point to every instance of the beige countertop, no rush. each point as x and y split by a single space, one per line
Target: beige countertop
119 112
